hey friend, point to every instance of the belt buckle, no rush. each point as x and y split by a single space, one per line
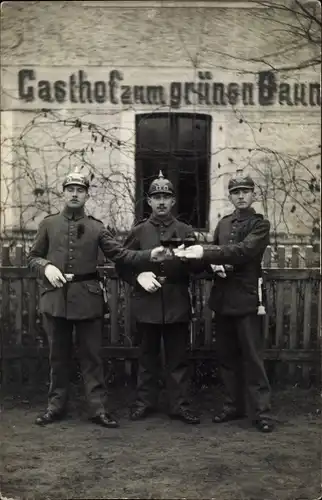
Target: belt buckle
69 277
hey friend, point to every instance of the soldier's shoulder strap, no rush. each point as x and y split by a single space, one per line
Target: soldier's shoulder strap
226 216
139 222
49 216
94 218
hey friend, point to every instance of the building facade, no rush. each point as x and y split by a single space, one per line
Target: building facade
123 89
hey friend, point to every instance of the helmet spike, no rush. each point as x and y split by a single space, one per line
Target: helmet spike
161 176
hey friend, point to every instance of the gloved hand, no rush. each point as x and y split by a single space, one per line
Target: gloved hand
148 281
159 254
219 270
193 252
54 276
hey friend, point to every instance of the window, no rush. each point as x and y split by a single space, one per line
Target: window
179 145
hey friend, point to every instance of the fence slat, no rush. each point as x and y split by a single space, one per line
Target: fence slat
293 335
194 303
17 285
32 306
5 316
307 311
128 340
267 262
207 315
115 333
267 259
280 300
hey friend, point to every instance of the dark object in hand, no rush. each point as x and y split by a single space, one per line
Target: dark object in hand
176 242
80 230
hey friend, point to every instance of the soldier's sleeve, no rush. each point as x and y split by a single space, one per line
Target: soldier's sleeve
36 258
239 253
196 266
114 251
215 240
125 271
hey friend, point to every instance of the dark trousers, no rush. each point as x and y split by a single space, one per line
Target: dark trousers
175 338
88 338
239 342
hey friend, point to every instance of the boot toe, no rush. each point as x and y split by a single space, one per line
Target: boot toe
105 420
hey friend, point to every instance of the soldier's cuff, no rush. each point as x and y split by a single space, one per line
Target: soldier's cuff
43 263
212 254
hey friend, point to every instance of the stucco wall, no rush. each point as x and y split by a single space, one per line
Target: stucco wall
151 46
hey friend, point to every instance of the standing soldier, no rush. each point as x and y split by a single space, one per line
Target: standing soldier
240 240
161 307
65 256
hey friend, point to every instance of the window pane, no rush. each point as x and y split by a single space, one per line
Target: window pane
192 191
153 133
192 134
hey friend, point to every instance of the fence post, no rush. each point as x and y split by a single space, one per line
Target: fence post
267 262
115 334
17 286
280 299
5 315
307 312
207 316
293 337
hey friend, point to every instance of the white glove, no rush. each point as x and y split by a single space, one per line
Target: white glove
148 281
193 252
219 270
54 276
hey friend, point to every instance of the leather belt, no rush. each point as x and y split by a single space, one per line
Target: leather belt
84 277
171 281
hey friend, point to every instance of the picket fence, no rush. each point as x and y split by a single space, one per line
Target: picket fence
291 325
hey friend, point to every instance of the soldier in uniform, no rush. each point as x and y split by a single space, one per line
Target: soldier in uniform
240 240
161 307
64 255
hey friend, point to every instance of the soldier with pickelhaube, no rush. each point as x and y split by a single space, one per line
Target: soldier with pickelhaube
240 240
161 307
65 256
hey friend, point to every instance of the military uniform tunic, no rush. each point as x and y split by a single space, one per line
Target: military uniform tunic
165 313
71 241
240 240
245 236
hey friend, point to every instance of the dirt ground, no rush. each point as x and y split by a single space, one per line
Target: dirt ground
160 458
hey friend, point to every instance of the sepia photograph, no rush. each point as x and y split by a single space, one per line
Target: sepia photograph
160 250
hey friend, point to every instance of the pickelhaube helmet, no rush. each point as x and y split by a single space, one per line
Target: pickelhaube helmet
76 178
161 185
239 181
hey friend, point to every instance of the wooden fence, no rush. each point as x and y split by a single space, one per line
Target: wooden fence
291 325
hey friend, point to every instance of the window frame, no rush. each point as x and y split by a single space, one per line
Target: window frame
172 156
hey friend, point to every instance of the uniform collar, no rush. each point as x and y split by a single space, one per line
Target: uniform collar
73 214
165 221
243 214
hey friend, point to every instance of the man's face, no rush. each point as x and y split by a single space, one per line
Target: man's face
242 198
75 196
161 204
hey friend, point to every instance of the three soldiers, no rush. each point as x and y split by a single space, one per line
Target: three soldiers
65 257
